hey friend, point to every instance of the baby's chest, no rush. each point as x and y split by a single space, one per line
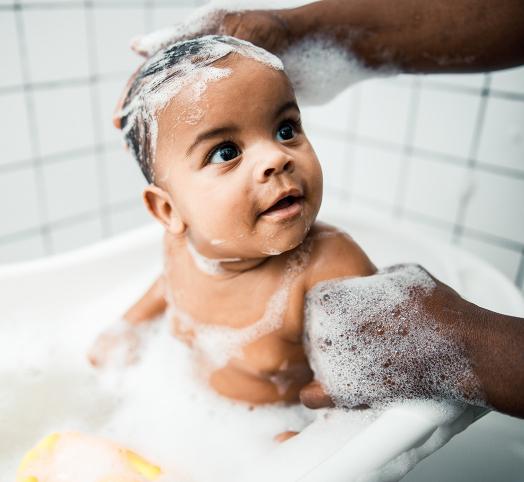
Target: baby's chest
259 327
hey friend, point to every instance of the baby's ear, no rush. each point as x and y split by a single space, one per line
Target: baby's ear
161 206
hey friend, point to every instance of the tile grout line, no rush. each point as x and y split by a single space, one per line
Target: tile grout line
33 126
407 151
120 206
458 227
94 94
519 278
349 147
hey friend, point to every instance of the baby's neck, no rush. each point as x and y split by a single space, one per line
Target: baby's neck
223 267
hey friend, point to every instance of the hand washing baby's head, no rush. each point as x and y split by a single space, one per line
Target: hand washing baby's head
215 127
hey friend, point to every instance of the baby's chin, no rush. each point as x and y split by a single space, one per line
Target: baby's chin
285 240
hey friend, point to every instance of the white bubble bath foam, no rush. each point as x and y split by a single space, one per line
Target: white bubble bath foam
52 310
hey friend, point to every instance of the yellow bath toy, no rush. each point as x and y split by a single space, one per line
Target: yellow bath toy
75 457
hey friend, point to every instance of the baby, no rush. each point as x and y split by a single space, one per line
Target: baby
215 127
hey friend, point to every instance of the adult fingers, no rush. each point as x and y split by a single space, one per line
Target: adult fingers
314 396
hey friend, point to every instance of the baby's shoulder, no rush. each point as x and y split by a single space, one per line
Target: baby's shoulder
335 254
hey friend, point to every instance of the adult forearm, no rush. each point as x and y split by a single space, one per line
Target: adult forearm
419 36
495 346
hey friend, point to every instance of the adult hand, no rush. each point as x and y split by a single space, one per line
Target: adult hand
402 334
417 37
268 29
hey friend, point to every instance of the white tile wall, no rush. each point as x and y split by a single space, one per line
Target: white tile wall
441 153
507 260
72 187
497 206
334 158
114 27
384 110
510 80
18 201
376 174
472 81
109 93
164 16
64 238
65 119
502 136
445 121
125 182
131 217
22 249
9 51
337 116
56 44
435 189
14 126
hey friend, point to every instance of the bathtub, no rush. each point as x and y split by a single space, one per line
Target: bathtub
72 296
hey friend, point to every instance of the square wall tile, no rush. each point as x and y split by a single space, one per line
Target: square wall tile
9 51
132 217
79 234
505 260
72 188
334 159
475 81
18 201
383 110
14 129
56 44
509 80
436 189
114 28
445 121
376 173
65 119
166 16
502 139
334 115
23 249
368 209
497 206
109 94
435 231
123 177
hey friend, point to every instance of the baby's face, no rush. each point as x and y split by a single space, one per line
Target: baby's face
242 177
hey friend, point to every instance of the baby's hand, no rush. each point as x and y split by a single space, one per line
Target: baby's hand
119 345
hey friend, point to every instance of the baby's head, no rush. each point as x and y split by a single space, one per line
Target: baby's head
214 125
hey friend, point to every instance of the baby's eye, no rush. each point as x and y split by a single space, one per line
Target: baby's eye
223 153
285 132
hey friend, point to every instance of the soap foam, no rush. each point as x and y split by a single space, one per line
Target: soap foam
207 265
156 408
369 342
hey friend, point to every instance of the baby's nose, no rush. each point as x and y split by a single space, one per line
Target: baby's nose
273 162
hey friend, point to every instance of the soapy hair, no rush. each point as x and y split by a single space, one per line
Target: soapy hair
183 64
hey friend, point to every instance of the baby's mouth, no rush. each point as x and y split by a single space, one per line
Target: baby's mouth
287 207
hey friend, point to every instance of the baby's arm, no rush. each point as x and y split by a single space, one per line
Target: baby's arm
151 304
121 341
334 255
